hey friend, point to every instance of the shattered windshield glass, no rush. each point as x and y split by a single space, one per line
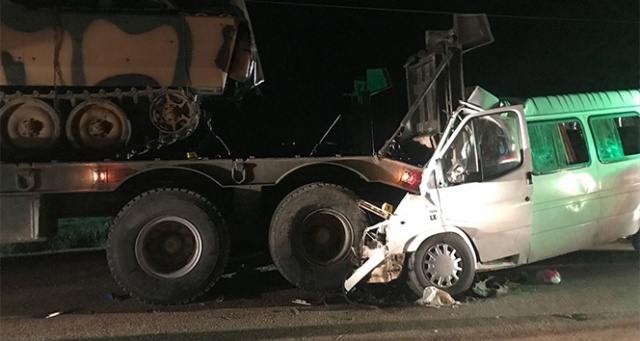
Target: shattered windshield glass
485 148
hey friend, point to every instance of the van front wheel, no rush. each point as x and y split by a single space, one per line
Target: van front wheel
443 261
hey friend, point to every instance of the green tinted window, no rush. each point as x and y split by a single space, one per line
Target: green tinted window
616 136
557 145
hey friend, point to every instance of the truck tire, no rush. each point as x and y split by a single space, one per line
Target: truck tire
167 246
443 261
312 235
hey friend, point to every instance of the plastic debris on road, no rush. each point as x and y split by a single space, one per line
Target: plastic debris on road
434 297
549 276
54 314
300 302
490 288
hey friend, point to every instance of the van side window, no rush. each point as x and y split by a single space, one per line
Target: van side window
486 148
616 136
557 145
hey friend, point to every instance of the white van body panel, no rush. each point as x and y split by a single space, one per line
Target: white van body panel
419 219
565 212
589 204
620 199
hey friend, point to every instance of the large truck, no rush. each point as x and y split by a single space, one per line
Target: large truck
110 79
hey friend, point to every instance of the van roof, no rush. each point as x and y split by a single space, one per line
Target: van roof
548 105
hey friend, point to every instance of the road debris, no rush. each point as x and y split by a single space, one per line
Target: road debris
295 311
300 302
338 337
434 297
575 317
549 276
54 314
490 287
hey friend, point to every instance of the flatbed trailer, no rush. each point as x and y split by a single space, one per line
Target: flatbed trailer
177 220
243 196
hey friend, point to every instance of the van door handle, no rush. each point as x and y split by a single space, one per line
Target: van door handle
529 178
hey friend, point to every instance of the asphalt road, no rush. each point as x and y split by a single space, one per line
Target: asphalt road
598 299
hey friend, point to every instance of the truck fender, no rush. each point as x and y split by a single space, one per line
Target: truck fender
414 243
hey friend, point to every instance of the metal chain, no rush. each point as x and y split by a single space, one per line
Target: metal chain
163 140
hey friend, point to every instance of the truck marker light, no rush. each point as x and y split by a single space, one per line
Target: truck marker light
409 178
100 176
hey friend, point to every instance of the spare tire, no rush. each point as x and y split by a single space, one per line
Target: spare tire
313 233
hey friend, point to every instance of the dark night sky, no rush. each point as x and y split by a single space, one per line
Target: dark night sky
312 51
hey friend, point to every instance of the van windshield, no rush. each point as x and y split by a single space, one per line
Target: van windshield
486 148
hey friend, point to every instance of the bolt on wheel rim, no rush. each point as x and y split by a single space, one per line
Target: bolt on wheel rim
168 247
324 237
442 265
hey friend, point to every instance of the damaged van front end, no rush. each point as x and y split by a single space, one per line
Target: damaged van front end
473 211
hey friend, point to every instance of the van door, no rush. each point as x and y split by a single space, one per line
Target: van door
483 173
565 199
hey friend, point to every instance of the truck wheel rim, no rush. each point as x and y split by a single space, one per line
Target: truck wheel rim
324 237
168 247
28 123
98 125
442 265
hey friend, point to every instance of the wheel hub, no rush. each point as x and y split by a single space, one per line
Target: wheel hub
172 245
98 125
324 237
443 265
168 247
28 123
173 112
